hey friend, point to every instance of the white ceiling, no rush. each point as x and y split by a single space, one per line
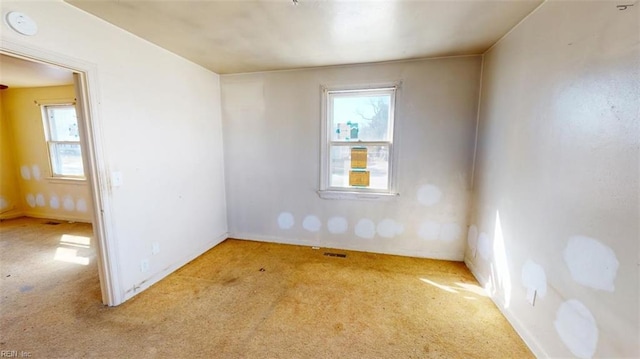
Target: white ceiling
246 36
16 73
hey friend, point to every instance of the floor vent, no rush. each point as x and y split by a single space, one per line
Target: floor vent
328 254
51 223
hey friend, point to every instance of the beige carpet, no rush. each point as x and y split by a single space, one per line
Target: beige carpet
244 299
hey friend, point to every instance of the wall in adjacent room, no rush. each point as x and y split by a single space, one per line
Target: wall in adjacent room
10 202
556 205
272 156
41 195
157 118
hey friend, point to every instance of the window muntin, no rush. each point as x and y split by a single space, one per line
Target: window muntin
63 140
358 140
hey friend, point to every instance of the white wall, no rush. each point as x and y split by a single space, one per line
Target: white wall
272 151
556 193
158 119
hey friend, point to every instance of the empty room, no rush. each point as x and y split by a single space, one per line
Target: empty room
320 179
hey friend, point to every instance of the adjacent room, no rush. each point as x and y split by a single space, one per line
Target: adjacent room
303 178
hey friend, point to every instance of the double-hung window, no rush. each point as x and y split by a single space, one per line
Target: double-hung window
357 142
63 140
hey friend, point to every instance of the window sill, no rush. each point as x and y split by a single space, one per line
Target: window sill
67 180
373 196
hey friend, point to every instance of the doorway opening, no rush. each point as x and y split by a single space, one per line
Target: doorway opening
50 183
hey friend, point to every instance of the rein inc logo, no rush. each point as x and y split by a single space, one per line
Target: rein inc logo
14 354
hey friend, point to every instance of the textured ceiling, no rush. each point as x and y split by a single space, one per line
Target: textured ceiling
247 36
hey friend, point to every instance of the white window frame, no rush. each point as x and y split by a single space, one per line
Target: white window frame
44 108
326 142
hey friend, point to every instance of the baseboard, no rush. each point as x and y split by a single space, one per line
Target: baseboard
140 287
446 256
11 214
517 325
57 217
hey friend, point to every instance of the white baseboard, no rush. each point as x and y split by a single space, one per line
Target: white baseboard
517 325
447 256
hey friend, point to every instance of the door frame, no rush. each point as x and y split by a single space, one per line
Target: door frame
86 87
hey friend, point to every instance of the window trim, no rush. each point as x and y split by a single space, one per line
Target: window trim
325 190
44 105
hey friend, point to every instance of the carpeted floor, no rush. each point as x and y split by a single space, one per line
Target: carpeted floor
243 299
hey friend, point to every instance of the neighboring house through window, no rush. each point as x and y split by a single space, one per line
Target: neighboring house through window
357 142
63 140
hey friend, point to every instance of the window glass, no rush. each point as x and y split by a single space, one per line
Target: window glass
360 167
360 117
63 123
63 139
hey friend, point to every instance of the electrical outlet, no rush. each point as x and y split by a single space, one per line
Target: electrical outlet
116 179
144 265
155 248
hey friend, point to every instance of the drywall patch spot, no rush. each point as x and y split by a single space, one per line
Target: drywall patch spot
577 328
25 172
35 172
429 230
591 263
311 223
40 201
534 278
81 205
54 202
286 220
428 195
365 228
4 204
31 200
472 239
484 246
68 203
388 228
337 225
450 232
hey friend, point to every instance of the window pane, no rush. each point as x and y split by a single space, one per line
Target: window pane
63 123
360 117
351 164
66 159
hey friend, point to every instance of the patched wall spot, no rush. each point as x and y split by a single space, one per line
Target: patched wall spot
534 278
25 172
365 228
68 204
31 200
311 223
81 205
577 328
285 220
54 202
40 201
591 263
